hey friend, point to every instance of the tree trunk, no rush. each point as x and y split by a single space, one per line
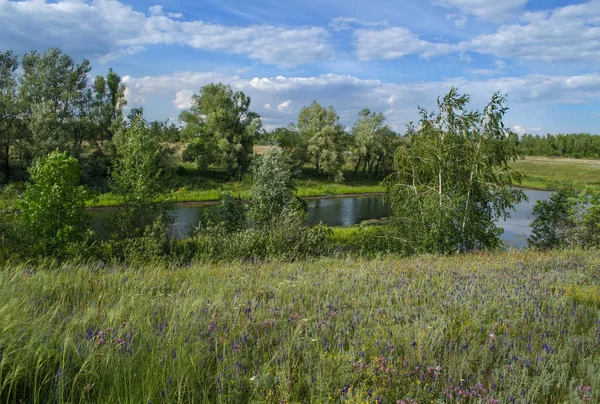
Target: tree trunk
357 165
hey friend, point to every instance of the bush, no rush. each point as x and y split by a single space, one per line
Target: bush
52 207
568 219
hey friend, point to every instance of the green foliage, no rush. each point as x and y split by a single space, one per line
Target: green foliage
223 120
52 207
10 108
324 138
454 181
553 219
292 143
576 145
518 326
568 219
201 152
374 143
272 192
138 177
231 214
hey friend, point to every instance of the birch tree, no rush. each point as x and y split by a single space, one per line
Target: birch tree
454 181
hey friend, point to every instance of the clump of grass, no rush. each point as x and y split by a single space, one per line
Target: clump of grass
480 328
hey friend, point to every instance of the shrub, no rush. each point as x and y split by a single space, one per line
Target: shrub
52 207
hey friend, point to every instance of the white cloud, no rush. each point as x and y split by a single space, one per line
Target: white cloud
183 99
284 106
565 34
347 23
394 43
109 28
498 10
349 94
569 34
520 130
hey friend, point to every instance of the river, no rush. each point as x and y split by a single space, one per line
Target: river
347 211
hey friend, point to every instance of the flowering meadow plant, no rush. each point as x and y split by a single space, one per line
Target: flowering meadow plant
481 328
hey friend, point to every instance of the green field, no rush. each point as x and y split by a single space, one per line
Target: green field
518 327
548 173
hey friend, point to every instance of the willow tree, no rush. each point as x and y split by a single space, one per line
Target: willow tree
323 136
454 181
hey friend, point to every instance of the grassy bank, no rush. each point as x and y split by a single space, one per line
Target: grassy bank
538 173
519 327
548 173
200 187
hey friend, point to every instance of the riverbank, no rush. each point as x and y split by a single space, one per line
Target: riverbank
539 173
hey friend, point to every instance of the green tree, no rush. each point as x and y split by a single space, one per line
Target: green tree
323 136
58 100
454 180
52 207
10 109
222 118
109 101
374 142
138 177
291 142
272 192
568 219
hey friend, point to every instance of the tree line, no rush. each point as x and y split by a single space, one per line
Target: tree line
574 145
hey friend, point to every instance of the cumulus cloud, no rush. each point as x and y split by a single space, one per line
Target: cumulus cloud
349 94
394 43
520 130
563 35
485 9
109 29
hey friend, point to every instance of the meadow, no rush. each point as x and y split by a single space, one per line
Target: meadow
483 328
550 172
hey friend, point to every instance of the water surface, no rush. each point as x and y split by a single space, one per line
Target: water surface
346 212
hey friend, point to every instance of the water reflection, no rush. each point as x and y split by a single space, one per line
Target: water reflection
345 212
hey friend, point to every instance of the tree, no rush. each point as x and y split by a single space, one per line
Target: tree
223 119
568 219
374 142
272 192
10 109
55 91
291 143
454 180
138 178
109 101
52 207
323 136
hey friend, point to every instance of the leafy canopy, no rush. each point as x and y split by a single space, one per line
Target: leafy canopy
453 182
52 207
223 120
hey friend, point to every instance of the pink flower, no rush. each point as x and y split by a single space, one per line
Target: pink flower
101 342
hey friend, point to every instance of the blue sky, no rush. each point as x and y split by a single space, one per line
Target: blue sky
387 55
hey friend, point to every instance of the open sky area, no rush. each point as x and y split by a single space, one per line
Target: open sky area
388 55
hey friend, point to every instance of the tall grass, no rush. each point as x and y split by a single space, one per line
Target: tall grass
549 173
519 327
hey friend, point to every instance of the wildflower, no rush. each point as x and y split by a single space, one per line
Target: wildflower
120 341
101 342
89 387
253 378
